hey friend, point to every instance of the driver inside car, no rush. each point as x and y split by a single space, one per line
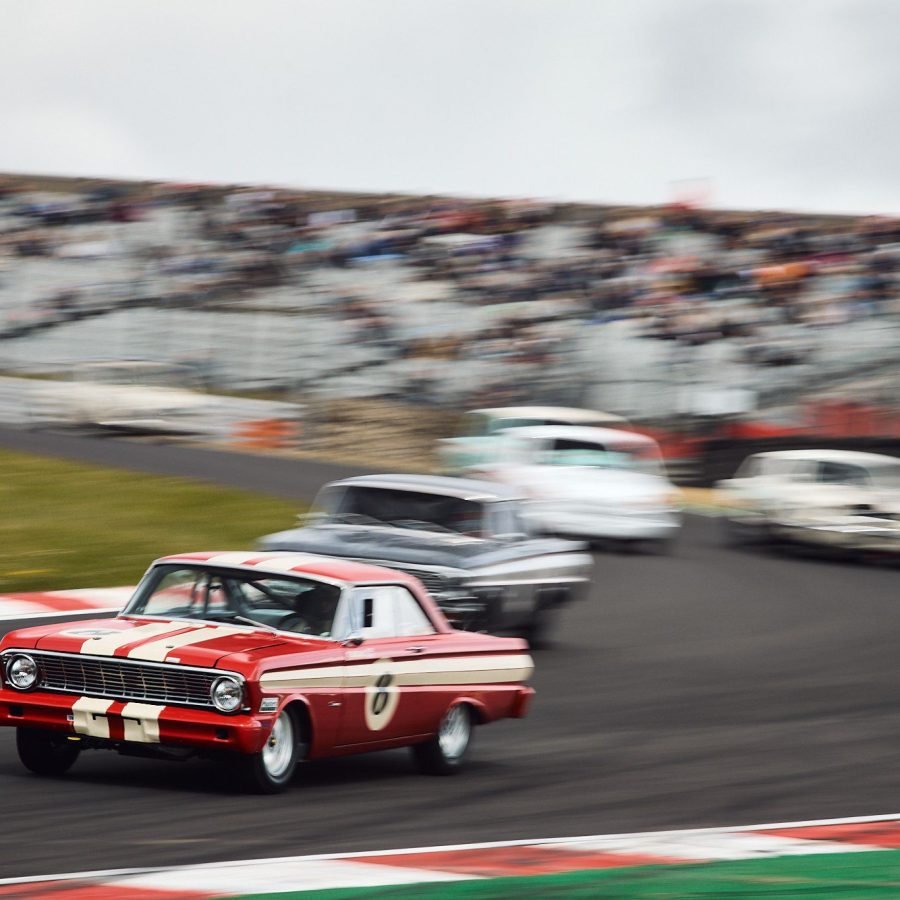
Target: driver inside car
314 611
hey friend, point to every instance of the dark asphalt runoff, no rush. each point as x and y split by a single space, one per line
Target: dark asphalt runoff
715 686
281 476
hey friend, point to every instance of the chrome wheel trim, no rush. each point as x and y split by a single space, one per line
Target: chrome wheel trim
453 734
279 750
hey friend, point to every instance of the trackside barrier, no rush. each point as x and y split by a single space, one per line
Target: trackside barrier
269 434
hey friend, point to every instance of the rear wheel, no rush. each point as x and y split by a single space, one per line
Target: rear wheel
45 752
270 770
445 753
739 534
732 533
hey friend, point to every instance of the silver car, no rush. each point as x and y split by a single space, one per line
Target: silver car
464 539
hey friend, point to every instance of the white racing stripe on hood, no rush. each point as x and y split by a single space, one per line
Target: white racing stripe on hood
420 672
109 643
157 651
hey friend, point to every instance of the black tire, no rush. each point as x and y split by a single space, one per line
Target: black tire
733 534
46 752
268 772
544 621
661 546
445 753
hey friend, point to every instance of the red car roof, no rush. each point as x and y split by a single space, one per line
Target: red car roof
280 562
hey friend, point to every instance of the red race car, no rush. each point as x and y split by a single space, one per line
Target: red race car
264 660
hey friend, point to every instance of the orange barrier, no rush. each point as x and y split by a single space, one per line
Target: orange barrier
268 434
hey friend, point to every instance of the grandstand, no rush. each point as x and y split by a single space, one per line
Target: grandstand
662 314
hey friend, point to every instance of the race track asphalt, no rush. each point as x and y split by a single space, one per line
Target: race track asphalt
715 686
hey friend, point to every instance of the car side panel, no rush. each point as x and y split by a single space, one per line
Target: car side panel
422 685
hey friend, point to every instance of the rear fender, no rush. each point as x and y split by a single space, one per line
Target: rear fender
479 708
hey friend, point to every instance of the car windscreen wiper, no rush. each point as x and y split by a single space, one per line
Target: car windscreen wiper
262 625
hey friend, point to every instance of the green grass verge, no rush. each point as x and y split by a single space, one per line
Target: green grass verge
69 525
840 876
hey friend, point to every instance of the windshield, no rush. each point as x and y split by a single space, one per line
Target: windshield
403 509
297 604
636 458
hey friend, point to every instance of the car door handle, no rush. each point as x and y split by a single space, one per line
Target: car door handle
415 649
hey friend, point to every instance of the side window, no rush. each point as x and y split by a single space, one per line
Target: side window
804 470
409 617
504 520
385 611
791 469
841 473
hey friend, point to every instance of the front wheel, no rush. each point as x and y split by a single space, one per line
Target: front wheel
445 753
270 770
544 620
661 546
45 752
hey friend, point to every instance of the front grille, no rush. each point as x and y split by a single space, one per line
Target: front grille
124 679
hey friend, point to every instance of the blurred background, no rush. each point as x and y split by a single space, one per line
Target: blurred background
166 207
371 320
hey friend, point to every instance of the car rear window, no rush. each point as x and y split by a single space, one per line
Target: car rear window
409 509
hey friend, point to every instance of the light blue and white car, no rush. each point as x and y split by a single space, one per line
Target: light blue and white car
593 483
484 429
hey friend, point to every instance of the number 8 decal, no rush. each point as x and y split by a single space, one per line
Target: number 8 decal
382 696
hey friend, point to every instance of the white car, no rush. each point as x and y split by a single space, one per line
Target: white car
594 483
843 499
483 430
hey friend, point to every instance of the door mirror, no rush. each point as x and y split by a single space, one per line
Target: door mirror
354 639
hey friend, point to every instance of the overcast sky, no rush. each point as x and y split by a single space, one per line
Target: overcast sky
768 103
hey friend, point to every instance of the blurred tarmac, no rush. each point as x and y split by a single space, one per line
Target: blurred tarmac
709 687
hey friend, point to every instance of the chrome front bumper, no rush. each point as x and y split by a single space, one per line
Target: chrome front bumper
615 525
859 535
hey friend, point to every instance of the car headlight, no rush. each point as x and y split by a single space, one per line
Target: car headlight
227 693
21 672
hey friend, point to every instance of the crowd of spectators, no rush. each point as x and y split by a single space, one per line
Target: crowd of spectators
536 272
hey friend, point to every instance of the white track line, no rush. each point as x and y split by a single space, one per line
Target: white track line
683 832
